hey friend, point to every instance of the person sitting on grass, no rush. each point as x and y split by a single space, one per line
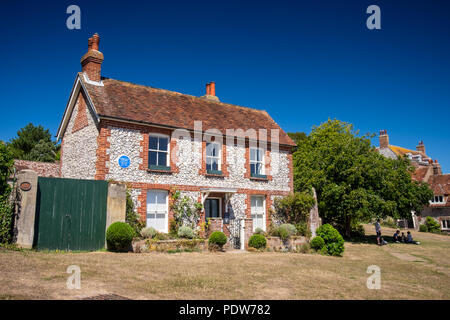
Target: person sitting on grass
403 238
409 239
396 236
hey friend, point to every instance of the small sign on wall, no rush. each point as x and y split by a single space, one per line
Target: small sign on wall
124 161
25 186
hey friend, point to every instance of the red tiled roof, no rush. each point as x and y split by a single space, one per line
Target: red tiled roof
43 169
440 184
127 101
420 173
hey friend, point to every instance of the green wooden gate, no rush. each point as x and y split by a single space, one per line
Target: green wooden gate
70 214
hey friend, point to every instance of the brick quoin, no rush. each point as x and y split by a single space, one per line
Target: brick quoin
102 153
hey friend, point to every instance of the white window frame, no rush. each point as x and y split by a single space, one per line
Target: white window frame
166 212
159 135
263 210
263 160
433 201
445 224
220 207
219 156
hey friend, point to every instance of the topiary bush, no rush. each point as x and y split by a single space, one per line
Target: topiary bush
185 232
217 239
119 236
423 228
432 225
317 243
257 241
149 232
334 243
286 230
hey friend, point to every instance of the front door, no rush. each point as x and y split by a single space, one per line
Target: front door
212 208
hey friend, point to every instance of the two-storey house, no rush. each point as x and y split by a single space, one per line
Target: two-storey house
233 159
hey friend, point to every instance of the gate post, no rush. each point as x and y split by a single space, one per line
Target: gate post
27 185
116 203
314 219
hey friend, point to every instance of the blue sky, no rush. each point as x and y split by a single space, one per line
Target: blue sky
302 61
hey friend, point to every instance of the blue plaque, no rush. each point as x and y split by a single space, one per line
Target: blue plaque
124 162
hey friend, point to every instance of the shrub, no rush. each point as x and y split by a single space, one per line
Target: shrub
317 243
119 236
161 236
185 232
218 239
303 229
257 241
423 228
6 220
259 231
334 243
304 248
358 231
149 232
286 230
294 208
132 218
432 225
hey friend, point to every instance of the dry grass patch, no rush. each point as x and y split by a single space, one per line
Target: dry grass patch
268 275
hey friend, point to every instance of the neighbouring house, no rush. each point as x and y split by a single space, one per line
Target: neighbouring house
426 170
233 159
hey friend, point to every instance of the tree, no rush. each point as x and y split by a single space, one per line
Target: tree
353 181
34 143
298 137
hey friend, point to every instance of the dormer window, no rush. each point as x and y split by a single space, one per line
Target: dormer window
437 200
158 152
213 162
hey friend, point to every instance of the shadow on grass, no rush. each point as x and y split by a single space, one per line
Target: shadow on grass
368 239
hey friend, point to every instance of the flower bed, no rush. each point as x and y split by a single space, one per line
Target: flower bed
150 245
291 244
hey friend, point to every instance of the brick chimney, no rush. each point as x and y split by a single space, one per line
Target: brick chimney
421 147
211 91
384 139
437 168
91 62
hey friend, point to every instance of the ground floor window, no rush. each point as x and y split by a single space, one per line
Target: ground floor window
157 210
258 212
445 224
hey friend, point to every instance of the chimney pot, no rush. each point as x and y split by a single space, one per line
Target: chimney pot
208 89
212 88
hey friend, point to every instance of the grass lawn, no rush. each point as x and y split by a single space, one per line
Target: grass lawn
407 272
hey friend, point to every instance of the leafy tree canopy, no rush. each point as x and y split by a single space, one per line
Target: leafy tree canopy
353 181
297 136
34 143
